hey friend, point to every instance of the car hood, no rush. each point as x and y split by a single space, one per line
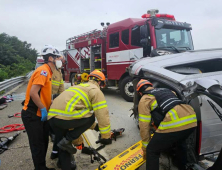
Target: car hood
157 65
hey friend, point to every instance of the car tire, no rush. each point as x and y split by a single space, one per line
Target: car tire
72 79
126 89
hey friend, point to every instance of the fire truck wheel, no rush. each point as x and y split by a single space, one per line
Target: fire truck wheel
72 79
126 89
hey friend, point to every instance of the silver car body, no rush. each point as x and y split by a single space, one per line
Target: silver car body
162 68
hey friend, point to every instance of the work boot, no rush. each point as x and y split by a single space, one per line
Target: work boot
54 155
66 145
73 163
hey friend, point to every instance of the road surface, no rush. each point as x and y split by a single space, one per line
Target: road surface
18 157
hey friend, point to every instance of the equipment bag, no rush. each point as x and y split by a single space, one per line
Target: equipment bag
2 100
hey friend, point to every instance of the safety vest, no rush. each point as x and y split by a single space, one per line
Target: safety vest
165 101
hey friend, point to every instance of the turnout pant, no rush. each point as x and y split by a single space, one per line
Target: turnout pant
38 135
62 128
162 141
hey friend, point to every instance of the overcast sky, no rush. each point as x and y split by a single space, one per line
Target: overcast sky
54 21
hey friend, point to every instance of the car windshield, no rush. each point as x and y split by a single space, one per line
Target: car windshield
168 38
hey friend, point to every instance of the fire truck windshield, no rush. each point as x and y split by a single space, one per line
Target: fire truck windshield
178 38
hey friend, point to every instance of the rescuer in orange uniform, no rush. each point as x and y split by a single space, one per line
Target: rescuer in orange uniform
174 120
36 106
74 111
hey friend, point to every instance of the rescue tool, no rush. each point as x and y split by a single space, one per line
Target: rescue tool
114 134
4 144
94 154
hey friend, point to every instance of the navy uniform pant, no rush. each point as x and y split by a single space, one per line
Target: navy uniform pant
38 135
163 141
62 128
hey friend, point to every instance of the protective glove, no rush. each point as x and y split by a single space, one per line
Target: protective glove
96 127
87 150
44 114
105 141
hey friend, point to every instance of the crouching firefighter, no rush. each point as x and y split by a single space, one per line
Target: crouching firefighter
74 111
174 121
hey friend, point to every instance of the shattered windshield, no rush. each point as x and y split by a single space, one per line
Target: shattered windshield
168 38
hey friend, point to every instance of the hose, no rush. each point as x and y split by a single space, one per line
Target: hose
16 115
11 128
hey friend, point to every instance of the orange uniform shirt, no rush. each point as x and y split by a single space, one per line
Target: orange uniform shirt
41 76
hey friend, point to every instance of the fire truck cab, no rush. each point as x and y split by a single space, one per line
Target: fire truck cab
118 45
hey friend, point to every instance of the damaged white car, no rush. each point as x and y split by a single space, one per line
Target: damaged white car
195 76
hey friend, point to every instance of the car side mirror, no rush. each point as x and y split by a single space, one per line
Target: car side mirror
143 32
144 41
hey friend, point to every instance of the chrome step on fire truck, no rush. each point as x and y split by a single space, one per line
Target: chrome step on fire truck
118 45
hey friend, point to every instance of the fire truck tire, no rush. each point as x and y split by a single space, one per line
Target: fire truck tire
72 79
126 89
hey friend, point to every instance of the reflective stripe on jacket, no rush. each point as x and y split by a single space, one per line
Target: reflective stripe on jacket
81 101
179 118
57 82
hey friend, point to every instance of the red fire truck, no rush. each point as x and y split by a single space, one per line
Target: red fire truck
114 48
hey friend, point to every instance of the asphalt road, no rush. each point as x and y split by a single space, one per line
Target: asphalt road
18 157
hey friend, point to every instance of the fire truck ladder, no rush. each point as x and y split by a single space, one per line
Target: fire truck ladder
87 36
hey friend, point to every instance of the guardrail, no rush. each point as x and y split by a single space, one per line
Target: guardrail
14 81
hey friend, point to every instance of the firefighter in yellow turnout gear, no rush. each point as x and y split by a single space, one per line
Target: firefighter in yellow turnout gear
174 121
57 82
76 109
57 88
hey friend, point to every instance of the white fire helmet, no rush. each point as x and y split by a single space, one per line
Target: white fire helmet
49 49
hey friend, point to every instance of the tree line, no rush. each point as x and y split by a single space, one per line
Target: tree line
16 57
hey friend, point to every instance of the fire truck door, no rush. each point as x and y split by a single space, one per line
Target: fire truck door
120 55
117 57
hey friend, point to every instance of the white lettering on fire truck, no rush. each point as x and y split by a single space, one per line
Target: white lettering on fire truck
113 56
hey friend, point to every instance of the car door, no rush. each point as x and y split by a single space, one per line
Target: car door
209 92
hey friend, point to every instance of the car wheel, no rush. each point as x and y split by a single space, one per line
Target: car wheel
126 89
